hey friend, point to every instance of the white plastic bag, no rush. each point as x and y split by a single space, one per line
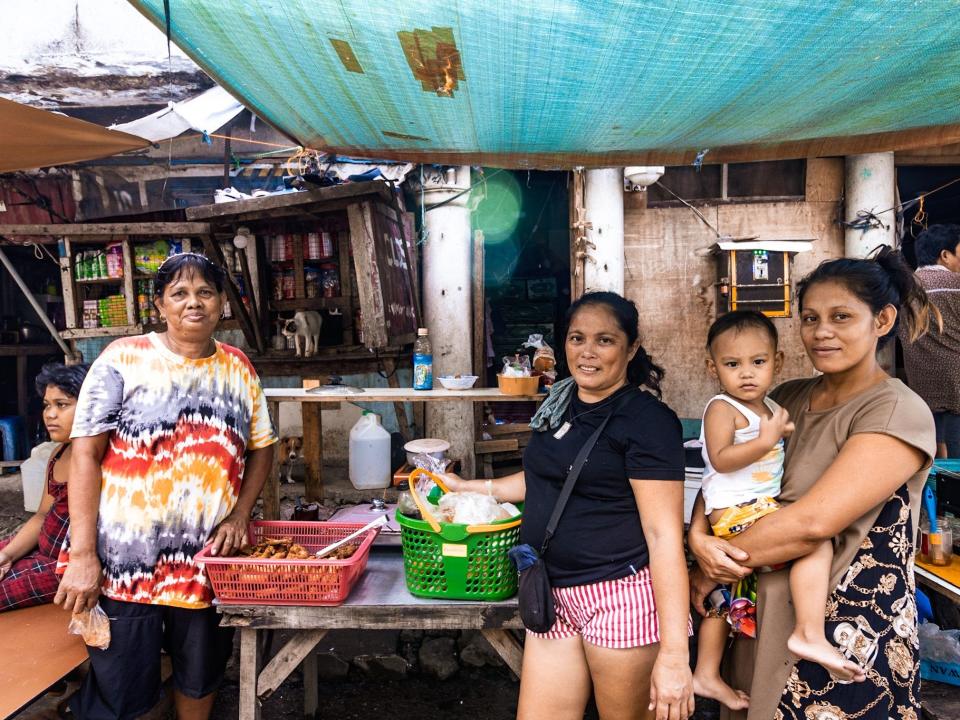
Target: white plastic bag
93 625
471 508
939 645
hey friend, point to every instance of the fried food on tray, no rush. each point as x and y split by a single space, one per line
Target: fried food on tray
276 549
343 552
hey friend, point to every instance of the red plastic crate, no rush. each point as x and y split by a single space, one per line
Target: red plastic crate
242 580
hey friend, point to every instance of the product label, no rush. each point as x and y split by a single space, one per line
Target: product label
423 372
453 550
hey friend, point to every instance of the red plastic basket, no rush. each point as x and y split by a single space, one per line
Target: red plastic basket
254 581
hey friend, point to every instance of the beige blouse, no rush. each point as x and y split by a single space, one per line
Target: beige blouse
762 666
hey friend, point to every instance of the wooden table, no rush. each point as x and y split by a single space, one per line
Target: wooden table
380 601
36 652
313 426
940 579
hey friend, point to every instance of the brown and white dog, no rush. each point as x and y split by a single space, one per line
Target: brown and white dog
291 453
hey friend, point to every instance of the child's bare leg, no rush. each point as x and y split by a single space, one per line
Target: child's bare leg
809 586
706 678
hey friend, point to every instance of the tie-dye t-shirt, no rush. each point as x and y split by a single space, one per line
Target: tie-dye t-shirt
179 429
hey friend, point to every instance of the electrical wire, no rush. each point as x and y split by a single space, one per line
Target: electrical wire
696 212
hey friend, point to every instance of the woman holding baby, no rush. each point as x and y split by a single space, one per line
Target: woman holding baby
855 465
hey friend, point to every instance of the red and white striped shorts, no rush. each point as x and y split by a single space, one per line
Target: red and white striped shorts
616 614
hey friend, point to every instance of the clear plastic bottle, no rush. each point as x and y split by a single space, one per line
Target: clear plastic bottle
422 361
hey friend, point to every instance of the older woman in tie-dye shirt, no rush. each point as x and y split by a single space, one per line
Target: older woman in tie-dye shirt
172 445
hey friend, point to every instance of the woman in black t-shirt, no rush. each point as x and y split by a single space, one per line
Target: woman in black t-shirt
620 539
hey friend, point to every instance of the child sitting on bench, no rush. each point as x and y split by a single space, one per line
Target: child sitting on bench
28 559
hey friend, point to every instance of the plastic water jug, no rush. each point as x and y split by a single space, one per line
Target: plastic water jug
33 475
369 453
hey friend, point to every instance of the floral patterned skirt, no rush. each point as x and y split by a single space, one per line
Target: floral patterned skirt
871 616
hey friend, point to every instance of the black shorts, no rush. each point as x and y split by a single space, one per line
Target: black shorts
124 679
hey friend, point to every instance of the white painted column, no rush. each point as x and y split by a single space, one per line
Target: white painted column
448 303
603 200
870 186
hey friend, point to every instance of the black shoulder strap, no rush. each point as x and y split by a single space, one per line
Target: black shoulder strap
574 473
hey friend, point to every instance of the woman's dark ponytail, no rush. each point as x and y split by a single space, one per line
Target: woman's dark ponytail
915 310
641 370
882 279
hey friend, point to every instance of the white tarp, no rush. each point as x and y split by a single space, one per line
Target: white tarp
205 113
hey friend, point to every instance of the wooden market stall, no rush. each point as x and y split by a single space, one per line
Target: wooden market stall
344 251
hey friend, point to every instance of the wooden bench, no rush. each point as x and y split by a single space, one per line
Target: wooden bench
35 653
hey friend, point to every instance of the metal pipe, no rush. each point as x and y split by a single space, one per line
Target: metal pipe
68 353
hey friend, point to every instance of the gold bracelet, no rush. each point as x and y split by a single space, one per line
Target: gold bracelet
489 484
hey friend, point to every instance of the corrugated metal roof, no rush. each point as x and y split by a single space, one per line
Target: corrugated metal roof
557 83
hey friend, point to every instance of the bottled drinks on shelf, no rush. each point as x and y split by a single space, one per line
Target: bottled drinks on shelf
422 361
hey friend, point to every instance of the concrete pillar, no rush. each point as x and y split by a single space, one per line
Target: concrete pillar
448 302
869 186
603 201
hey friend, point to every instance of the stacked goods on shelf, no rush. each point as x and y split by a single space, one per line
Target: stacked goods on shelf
319 279
147 258
112 311
147 311
90 314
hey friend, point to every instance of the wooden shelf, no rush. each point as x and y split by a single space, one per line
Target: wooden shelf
101 281
315 303
25 349
397 395
113 331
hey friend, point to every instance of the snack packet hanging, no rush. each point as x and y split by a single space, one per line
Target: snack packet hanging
544 359
93 626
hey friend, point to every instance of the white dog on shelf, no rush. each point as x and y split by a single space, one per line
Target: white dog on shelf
304 326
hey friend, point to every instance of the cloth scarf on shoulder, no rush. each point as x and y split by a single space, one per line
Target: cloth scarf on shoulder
549 415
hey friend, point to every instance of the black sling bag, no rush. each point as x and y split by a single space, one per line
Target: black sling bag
535 596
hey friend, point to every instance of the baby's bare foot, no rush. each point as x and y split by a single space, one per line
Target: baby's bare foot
820 651
715 688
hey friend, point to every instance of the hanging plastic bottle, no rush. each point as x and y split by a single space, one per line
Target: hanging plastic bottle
422 361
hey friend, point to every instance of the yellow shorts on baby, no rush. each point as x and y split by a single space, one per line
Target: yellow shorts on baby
734 520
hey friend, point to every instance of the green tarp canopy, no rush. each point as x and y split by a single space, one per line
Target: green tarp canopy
561 83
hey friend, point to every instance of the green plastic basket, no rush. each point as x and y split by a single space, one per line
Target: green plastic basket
460 562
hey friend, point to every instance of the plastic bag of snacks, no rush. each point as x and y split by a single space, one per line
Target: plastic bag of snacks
516 366
93 625
544 359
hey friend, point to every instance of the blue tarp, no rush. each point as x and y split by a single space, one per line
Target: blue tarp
558 83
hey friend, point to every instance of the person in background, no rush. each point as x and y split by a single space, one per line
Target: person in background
616 563
932 362
28 559
172 443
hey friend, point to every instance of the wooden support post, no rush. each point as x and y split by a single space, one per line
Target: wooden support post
129 290
346 287
313 450
248 284
286 661
251 331
249 669
399 408
23 388
271 488
507 648
311 685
